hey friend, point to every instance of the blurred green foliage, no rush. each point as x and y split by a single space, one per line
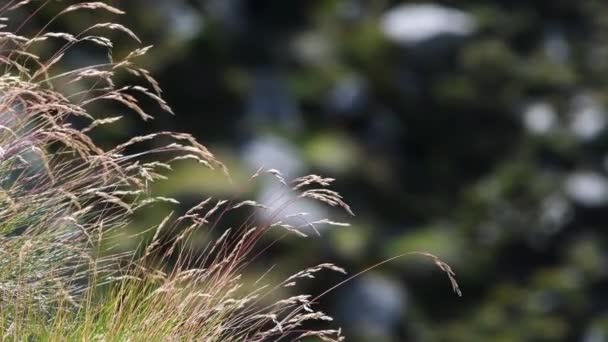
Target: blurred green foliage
485 143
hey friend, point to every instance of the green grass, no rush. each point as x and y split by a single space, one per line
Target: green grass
64 199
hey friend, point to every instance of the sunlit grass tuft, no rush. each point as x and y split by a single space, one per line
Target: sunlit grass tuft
63 198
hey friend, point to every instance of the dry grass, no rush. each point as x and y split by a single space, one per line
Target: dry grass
62 196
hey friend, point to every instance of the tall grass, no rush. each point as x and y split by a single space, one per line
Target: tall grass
62 198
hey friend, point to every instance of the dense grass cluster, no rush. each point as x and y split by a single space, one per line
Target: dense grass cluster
62 197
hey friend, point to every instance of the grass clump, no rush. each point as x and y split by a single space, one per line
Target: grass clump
62 198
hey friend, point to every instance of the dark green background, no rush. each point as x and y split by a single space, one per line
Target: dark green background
488 149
